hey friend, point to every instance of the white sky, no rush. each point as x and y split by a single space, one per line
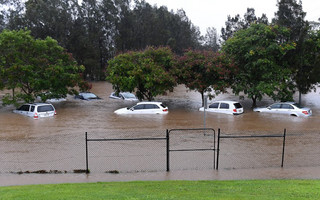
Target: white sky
214 13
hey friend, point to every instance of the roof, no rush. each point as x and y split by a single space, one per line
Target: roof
150 102
227 101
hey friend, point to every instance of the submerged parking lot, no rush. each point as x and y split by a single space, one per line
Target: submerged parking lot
58 143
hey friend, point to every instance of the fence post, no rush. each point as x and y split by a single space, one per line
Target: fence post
214 150
168 151
283 145
218 149
87 156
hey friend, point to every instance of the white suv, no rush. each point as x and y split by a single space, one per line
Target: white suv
36 110
227 107
144 108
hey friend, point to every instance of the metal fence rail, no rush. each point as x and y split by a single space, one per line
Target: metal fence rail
175 149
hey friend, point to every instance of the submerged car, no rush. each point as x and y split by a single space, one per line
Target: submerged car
87 96
36 110
227 107
124 96
144 108
287 108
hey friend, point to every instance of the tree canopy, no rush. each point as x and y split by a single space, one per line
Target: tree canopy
35 67
204 71
259 53
146 72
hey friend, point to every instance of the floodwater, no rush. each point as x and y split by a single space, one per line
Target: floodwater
23 138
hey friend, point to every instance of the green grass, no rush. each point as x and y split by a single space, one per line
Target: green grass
251 189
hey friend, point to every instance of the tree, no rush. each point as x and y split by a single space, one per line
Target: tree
36 67
291 15
259 53
211 40
236 23
147 25
204 71
146 72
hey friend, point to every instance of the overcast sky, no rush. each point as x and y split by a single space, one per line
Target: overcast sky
214 13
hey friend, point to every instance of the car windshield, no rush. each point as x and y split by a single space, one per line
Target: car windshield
297 105
89 96
128 95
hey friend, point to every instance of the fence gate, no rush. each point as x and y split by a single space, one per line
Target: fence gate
191 141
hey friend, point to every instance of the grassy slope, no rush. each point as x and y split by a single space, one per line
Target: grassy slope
256 189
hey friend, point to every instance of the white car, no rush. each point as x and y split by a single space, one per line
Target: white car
227 107
287 108
124 96
144 108
36 110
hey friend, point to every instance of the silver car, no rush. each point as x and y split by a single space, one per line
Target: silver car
36 110
287 108
124 96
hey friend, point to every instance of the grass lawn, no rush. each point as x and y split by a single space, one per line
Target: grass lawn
251 189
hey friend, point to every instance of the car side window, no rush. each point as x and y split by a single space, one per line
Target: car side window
32 109
275 106
224 106
24 108
139 107
150 106
214 105
286 106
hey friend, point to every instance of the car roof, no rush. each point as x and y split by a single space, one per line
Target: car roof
149 102
38 104
228 101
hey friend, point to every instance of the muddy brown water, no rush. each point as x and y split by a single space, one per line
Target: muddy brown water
23 138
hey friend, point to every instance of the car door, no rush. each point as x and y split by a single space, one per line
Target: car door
24 110
31 112
274 108
138 109
224 108
214 107
151 108
286 108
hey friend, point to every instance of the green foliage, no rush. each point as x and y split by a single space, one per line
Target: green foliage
147 72
259 52
36 67
205 70
147 25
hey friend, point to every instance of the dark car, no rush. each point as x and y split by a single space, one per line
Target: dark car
87 96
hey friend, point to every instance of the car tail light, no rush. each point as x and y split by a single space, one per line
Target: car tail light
165 110
55 113
35 116
234 110
305 112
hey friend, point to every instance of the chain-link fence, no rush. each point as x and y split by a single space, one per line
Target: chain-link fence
149 151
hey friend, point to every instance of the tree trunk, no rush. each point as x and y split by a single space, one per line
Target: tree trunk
299 97
202 97
254 102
